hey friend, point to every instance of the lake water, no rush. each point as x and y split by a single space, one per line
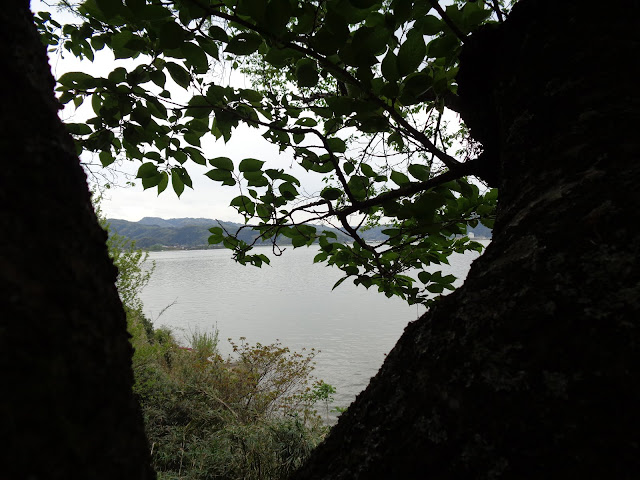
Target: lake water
290 301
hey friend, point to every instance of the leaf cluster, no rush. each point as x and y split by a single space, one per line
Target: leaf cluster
352 90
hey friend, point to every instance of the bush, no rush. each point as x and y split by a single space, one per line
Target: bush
249 416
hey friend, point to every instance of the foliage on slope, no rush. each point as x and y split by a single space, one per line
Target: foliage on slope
206 417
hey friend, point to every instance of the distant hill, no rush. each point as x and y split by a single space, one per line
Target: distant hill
174 232
155 232
179 222
480 231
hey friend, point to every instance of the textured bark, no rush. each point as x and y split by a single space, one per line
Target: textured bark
531 369
66 405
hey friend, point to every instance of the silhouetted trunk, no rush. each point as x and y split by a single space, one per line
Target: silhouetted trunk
532 368
66 405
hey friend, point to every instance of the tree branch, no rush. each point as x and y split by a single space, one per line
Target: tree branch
411 188
448 21
340 73
496 8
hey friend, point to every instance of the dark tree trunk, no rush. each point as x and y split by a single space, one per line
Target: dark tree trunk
67 410
532 368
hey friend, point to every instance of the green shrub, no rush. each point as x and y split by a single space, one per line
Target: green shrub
246 417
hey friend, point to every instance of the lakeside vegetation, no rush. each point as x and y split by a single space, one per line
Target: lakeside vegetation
251 415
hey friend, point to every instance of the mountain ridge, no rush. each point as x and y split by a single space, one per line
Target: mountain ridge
157 233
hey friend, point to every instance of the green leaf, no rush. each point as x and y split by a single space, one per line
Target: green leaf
147 170
370 41
217 33
196 155
106 158
251 95
448 279
320 257
179 74
157 109
149 182
420 172
136 5
306 73
244 44
209 46
264 211
366 170
177 182
250 165
288 191
389 67
78 79
491 196
118 75
444 46
306 122
414 86
153 13
278 13
411 53
399 178
339 282
402 10
110 8
425 277
331 193
341 105
348 168
473 14
164 181
256 179
79 128
184 176
199 107
242 202
158 77
217 235
298 241
429 25
336 145
358 186
171 36
364 3
219 175
195 57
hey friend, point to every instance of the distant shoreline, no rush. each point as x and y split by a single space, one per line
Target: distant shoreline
157 234
175 248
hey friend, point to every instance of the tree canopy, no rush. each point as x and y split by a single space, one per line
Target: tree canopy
354 90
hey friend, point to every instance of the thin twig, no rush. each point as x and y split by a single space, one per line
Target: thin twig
448 21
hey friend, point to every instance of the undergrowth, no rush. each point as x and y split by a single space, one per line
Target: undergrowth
248 416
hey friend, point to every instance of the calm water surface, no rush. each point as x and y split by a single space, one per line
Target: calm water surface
290 301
